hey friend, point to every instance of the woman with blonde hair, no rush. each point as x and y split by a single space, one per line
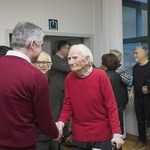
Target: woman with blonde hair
121 69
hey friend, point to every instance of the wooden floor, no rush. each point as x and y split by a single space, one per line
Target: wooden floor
130 141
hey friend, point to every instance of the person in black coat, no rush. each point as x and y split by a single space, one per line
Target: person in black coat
110 64
44 64
141 73
60 69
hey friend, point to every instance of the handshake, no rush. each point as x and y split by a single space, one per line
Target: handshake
60 126
62 138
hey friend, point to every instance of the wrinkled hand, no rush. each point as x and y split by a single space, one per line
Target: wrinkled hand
60 129
131 96
145 90
117 141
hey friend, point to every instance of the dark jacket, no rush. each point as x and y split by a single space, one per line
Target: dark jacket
59 70
56 97
119 88
56 104
120 92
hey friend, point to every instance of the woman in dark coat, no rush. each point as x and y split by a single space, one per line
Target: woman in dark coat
110 64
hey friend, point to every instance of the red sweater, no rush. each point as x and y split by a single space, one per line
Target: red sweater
91 103
24 105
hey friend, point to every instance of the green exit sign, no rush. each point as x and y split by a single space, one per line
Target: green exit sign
53 24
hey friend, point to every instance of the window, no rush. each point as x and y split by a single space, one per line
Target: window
134 19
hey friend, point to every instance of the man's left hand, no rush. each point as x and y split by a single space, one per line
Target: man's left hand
117 141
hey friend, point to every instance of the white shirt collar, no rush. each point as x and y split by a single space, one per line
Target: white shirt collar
87 73
61 56
18 54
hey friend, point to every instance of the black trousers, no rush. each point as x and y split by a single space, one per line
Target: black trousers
120 114
140 116
42 145
48 145
105 145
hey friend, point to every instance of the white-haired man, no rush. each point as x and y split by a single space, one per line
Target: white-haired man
90 101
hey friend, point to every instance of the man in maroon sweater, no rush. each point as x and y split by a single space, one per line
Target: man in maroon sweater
24 92
90 101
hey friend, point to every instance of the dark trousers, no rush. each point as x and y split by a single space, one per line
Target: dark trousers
42 145
140 115
120 113
48 145
54 145
105 145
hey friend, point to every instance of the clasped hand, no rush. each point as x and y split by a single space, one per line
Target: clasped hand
60 130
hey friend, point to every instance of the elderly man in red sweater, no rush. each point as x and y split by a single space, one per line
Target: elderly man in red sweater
90 101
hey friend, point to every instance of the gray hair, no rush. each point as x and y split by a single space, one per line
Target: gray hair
24 33
47 55
144 48
85 51
117 53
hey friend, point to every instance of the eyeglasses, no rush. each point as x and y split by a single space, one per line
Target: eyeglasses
42 62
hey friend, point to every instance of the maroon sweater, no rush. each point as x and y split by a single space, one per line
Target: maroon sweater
24 105
91 103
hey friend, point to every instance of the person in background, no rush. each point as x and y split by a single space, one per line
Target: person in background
141 73
121 69
44 64
124 74
3 50
24 92
90 101
110 64
60 69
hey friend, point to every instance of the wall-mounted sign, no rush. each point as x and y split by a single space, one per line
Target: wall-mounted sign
53 24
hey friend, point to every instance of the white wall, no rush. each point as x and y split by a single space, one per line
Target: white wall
75 17
130 119
107 27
